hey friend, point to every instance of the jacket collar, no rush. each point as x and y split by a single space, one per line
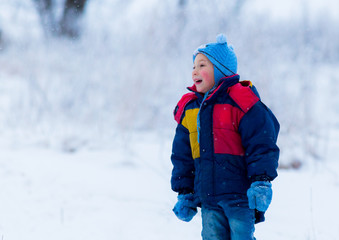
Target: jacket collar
223 84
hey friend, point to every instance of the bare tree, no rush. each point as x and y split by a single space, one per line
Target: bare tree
69 24
182 3
45 10
1 41
239 5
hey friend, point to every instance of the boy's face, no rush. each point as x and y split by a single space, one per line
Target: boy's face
203 73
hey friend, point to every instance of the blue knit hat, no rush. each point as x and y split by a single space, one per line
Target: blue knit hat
222 57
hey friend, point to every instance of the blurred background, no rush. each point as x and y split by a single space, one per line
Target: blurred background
80 74
87 93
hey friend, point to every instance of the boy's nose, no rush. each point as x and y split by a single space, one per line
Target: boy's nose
194 73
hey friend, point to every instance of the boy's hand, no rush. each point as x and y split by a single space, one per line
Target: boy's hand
260 195
185 209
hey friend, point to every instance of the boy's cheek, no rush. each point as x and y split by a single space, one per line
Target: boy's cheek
206 75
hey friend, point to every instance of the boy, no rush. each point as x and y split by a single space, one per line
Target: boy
224 151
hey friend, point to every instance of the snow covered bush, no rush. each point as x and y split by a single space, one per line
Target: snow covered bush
134 59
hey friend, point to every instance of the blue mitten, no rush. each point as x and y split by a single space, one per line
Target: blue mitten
260 195
186 208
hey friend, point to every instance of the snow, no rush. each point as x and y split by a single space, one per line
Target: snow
108 194
78 162
303 206
88 195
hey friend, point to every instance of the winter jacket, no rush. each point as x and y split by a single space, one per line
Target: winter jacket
236 145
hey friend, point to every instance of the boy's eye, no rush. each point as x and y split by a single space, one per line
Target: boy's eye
202 65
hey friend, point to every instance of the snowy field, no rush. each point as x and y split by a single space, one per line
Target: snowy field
125 194
78 160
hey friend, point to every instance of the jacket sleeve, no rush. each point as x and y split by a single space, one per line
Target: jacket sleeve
182 180
259 132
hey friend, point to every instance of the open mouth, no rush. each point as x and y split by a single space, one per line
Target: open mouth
198 81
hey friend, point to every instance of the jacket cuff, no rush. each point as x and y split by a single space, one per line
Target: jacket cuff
264 178
185 191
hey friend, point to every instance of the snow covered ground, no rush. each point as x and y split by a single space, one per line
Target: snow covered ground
124 193
70 168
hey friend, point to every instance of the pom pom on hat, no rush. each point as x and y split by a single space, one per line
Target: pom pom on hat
221 38
221 55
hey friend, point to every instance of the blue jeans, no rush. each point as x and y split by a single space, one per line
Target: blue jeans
232 220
